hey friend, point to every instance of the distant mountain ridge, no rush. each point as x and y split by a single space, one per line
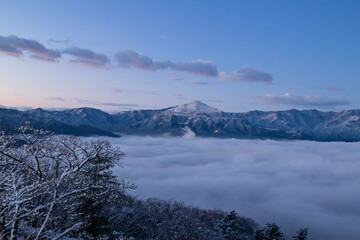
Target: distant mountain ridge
203 120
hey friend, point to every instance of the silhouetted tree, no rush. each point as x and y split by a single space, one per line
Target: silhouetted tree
301 234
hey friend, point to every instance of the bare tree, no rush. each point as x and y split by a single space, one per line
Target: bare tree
46 180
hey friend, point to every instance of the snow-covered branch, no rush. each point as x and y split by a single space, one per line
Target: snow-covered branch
47 182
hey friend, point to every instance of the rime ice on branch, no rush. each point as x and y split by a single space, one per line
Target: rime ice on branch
54 184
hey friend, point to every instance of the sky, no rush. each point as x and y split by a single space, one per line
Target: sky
296 184
236 56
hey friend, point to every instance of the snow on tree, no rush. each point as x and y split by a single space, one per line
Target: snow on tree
271 231
237 228
47 180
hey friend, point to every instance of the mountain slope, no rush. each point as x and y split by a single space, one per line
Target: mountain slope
11 119
194 107
202 119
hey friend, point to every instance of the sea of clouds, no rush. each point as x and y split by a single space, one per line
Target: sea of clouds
293 183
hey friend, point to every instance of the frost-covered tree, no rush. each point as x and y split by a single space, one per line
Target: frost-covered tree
46 182
237 228
162 220
271 231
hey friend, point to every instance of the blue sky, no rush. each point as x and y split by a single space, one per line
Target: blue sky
233 55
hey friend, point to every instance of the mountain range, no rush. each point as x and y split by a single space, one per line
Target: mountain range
203 120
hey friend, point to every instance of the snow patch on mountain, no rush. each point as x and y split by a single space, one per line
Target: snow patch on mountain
193 107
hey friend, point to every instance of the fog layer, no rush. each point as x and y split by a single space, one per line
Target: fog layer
293 183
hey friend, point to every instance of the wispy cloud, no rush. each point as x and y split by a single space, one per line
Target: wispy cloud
111 104
198 83
247 74
15 46
151 93
333 87
93 103
302 101
87 57
211 100
120 90
330 87
132 59
58 99
165 37
179 96
65 41
20 108
174 77
117 104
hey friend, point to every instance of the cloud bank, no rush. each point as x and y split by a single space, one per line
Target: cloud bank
247 75
302 101
87 57
15 46
132 59
294 183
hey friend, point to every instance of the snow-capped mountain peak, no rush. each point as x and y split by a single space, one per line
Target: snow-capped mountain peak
194 107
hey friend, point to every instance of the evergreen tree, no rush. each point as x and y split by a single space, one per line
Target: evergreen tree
235 228
271 231
301 234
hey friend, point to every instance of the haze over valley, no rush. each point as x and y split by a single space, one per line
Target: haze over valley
294 183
